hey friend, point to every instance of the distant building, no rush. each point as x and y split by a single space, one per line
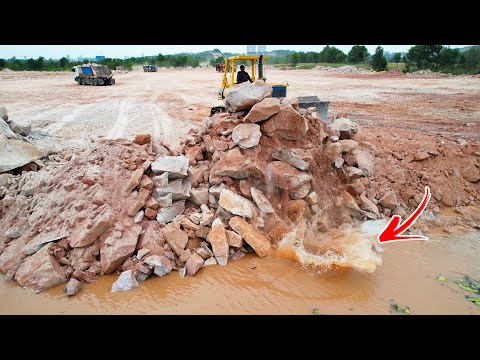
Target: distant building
99 57
261 49
251 49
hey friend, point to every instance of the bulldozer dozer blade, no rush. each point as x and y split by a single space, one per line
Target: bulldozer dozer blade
304 102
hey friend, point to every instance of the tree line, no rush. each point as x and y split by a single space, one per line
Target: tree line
418 57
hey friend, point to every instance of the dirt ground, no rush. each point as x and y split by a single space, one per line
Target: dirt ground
169 102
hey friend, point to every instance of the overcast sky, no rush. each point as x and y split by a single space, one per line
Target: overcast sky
119 51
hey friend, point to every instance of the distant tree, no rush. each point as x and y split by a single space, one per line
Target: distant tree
160 58
3 63
448 57
396 57
378 62
424 56
331 54
472 59
63 62
357 54
294 58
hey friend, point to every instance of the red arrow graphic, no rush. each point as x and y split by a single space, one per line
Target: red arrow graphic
393 233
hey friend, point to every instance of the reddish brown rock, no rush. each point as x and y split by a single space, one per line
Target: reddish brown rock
150 213
151 203
133 182
234 239
470 173
421 155
143 139
115 251
389 200
176 238
295 209
193 264
152 240
139 202
40 271
356 187
287 124
218 240
285 176
236 166
253 237
146 182
194 154
301 191
245 189
85 235
12 256
263 110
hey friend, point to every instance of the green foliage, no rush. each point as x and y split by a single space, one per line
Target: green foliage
397 57
357 54
294 58
3 63
378 62
219 60
424 56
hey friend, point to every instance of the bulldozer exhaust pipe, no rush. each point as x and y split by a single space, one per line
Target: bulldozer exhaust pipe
260 67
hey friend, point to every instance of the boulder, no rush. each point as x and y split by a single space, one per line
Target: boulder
176 238
290 158
180 190
389 200
235 203
126 281
161 264
285 176
139 202
470 173
176 166
6 131
12 256
72 287
365 161
301 191
83 235
199 196
368 205
163 201
16 153
234 239
143 139
19 128
40 271
160 180
246 135
263 110
150 214
252 237
115 251
3 113
146 183
287 124
215 190
245 95
348 145
237 166
347 128
218 239
311 198
421 155
193 264
133 182
261 201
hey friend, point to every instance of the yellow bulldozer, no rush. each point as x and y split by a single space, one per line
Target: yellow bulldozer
279 90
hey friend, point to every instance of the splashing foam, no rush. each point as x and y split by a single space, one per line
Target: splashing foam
341 249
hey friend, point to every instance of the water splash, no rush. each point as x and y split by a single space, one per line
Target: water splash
351 248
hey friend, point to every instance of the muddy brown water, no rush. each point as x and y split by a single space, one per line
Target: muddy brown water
275 285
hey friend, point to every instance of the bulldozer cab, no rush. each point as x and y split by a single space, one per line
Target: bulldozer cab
256 72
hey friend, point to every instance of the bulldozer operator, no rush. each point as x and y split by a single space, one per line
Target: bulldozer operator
242 75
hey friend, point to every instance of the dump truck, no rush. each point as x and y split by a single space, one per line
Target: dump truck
149 68
93 74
